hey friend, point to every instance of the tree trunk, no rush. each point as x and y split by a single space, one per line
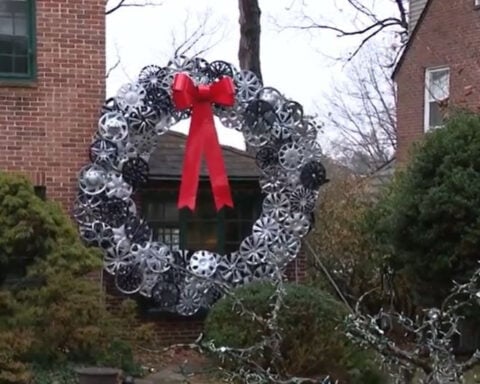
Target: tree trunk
249 47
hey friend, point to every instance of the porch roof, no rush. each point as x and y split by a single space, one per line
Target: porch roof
167 159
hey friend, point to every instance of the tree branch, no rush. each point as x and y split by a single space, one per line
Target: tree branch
123 4
113 67
361 110
206 34
372 24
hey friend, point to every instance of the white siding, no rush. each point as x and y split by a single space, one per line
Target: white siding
416 8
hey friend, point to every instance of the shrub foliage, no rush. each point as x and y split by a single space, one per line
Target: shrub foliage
311 324
429 221
35 230
50 313
341 243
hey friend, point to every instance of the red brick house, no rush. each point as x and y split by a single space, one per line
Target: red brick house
52 88
52 85
52 82
440 66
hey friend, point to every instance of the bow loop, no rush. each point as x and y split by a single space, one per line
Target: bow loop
183 91
223 92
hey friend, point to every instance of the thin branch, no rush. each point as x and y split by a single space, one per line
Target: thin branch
124 4
378 25
113 67
206 34
362 111
372 24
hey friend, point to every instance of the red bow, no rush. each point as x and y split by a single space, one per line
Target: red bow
202 138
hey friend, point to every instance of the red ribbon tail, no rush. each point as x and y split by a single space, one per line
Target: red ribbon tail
216 169
191 167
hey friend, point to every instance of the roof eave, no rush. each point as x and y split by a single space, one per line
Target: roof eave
410 40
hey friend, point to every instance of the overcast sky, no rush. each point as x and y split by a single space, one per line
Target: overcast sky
297 63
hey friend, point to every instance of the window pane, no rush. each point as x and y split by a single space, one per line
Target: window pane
157 210
436 119
233 231
439 83
246 206
13 17
13 6
14 37
20 26
205 206
202 235
6 63
170 237
20 64
147 209
20 45
6 45
239 220
6 24
171 212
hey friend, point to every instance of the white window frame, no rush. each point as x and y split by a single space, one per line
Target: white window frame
427 99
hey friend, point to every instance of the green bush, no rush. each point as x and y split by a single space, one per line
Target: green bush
429 221
64 374
35 230
311 323
50 312
13 344
70 322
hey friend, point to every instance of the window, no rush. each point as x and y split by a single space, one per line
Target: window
477 3
40 191
163 216
238 221
17 51
205 228
437 92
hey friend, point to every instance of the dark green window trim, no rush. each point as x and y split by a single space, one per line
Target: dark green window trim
31 68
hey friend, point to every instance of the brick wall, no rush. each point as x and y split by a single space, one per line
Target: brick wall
168 328
46 126
296 271
447 36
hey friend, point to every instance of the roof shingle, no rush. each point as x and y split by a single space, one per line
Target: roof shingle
167 159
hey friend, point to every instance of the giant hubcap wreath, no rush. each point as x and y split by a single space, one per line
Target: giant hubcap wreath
287 154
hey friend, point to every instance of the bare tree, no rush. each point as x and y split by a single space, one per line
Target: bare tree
110 8
367 22
250 29
424 343
198 36
361 113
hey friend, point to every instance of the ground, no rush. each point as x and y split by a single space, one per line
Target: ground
184 365
179 365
